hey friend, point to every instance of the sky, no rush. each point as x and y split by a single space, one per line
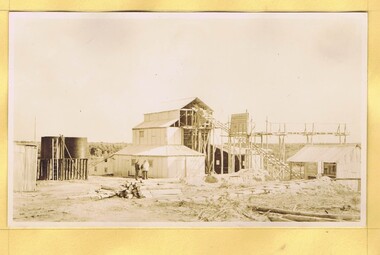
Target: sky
96 74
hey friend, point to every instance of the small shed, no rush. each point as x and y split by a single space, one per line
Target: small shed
166 161
25 167
341 162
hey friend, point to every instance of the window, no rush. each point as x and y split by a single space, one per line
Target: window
329 169
141 134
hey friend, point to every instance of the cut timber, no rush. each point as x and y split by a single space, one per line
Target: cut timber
105 195
245 214
329 216
110 188
306 218
124 191
275 218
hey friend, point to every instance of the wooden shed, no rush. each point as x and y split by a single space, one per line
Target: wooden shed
166 161
25 167
341 162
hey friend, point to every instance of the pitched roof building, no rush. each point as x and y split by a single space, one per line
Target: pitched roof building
342 161
165 139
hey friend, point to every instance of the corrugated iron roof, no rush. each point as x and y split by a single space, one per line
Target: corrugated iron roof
322 153
154 150
156 123
179 104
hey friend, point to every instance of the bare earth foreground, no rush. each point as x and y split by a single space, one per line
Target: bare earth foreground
238 197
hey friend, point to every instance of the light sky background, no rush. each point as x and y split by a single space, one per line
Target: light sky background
95 75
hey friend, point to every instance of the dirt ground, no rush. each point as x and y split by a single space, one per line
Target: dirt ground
231 198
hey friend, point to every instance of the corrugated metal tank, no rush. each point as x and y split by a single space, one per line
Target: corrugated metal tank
77 147
46 146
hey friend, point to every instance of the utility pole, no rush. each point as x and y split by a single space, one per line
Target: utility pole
35 128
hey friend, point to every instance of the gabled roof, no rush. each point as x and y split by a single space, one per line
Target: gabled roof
322 153
156 123
180 104
158 150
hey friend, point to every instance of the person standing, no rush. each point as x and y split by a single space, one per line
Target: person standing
137 169
145 169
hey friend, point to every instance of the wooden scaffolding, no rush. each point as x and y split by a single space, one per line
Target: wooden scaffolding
243 142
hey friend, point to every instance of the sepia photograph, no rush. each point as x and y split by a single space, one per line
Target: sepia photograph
130 119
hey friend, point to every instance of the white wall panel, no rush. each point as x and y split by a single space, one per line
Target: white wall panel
195 166
25 168
173 135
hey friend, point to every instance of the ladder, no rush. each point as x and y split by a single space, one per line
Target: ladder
54 158
207 116
281 169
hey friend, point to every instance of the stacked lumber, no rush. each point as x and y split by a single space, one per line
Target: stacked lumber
140 190
128 190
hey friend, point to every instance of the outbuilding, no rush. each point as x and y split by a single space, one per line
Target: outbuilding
166 161
167 139
25 167
341 162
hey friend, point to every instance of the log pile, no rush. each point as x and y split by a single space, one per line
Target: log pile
275 214
128 190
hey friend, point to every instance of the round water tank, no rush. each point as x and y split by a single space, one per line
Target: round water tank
77 147
47 146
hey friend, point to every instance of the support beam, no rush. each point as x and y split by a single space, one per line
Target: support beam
222 157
